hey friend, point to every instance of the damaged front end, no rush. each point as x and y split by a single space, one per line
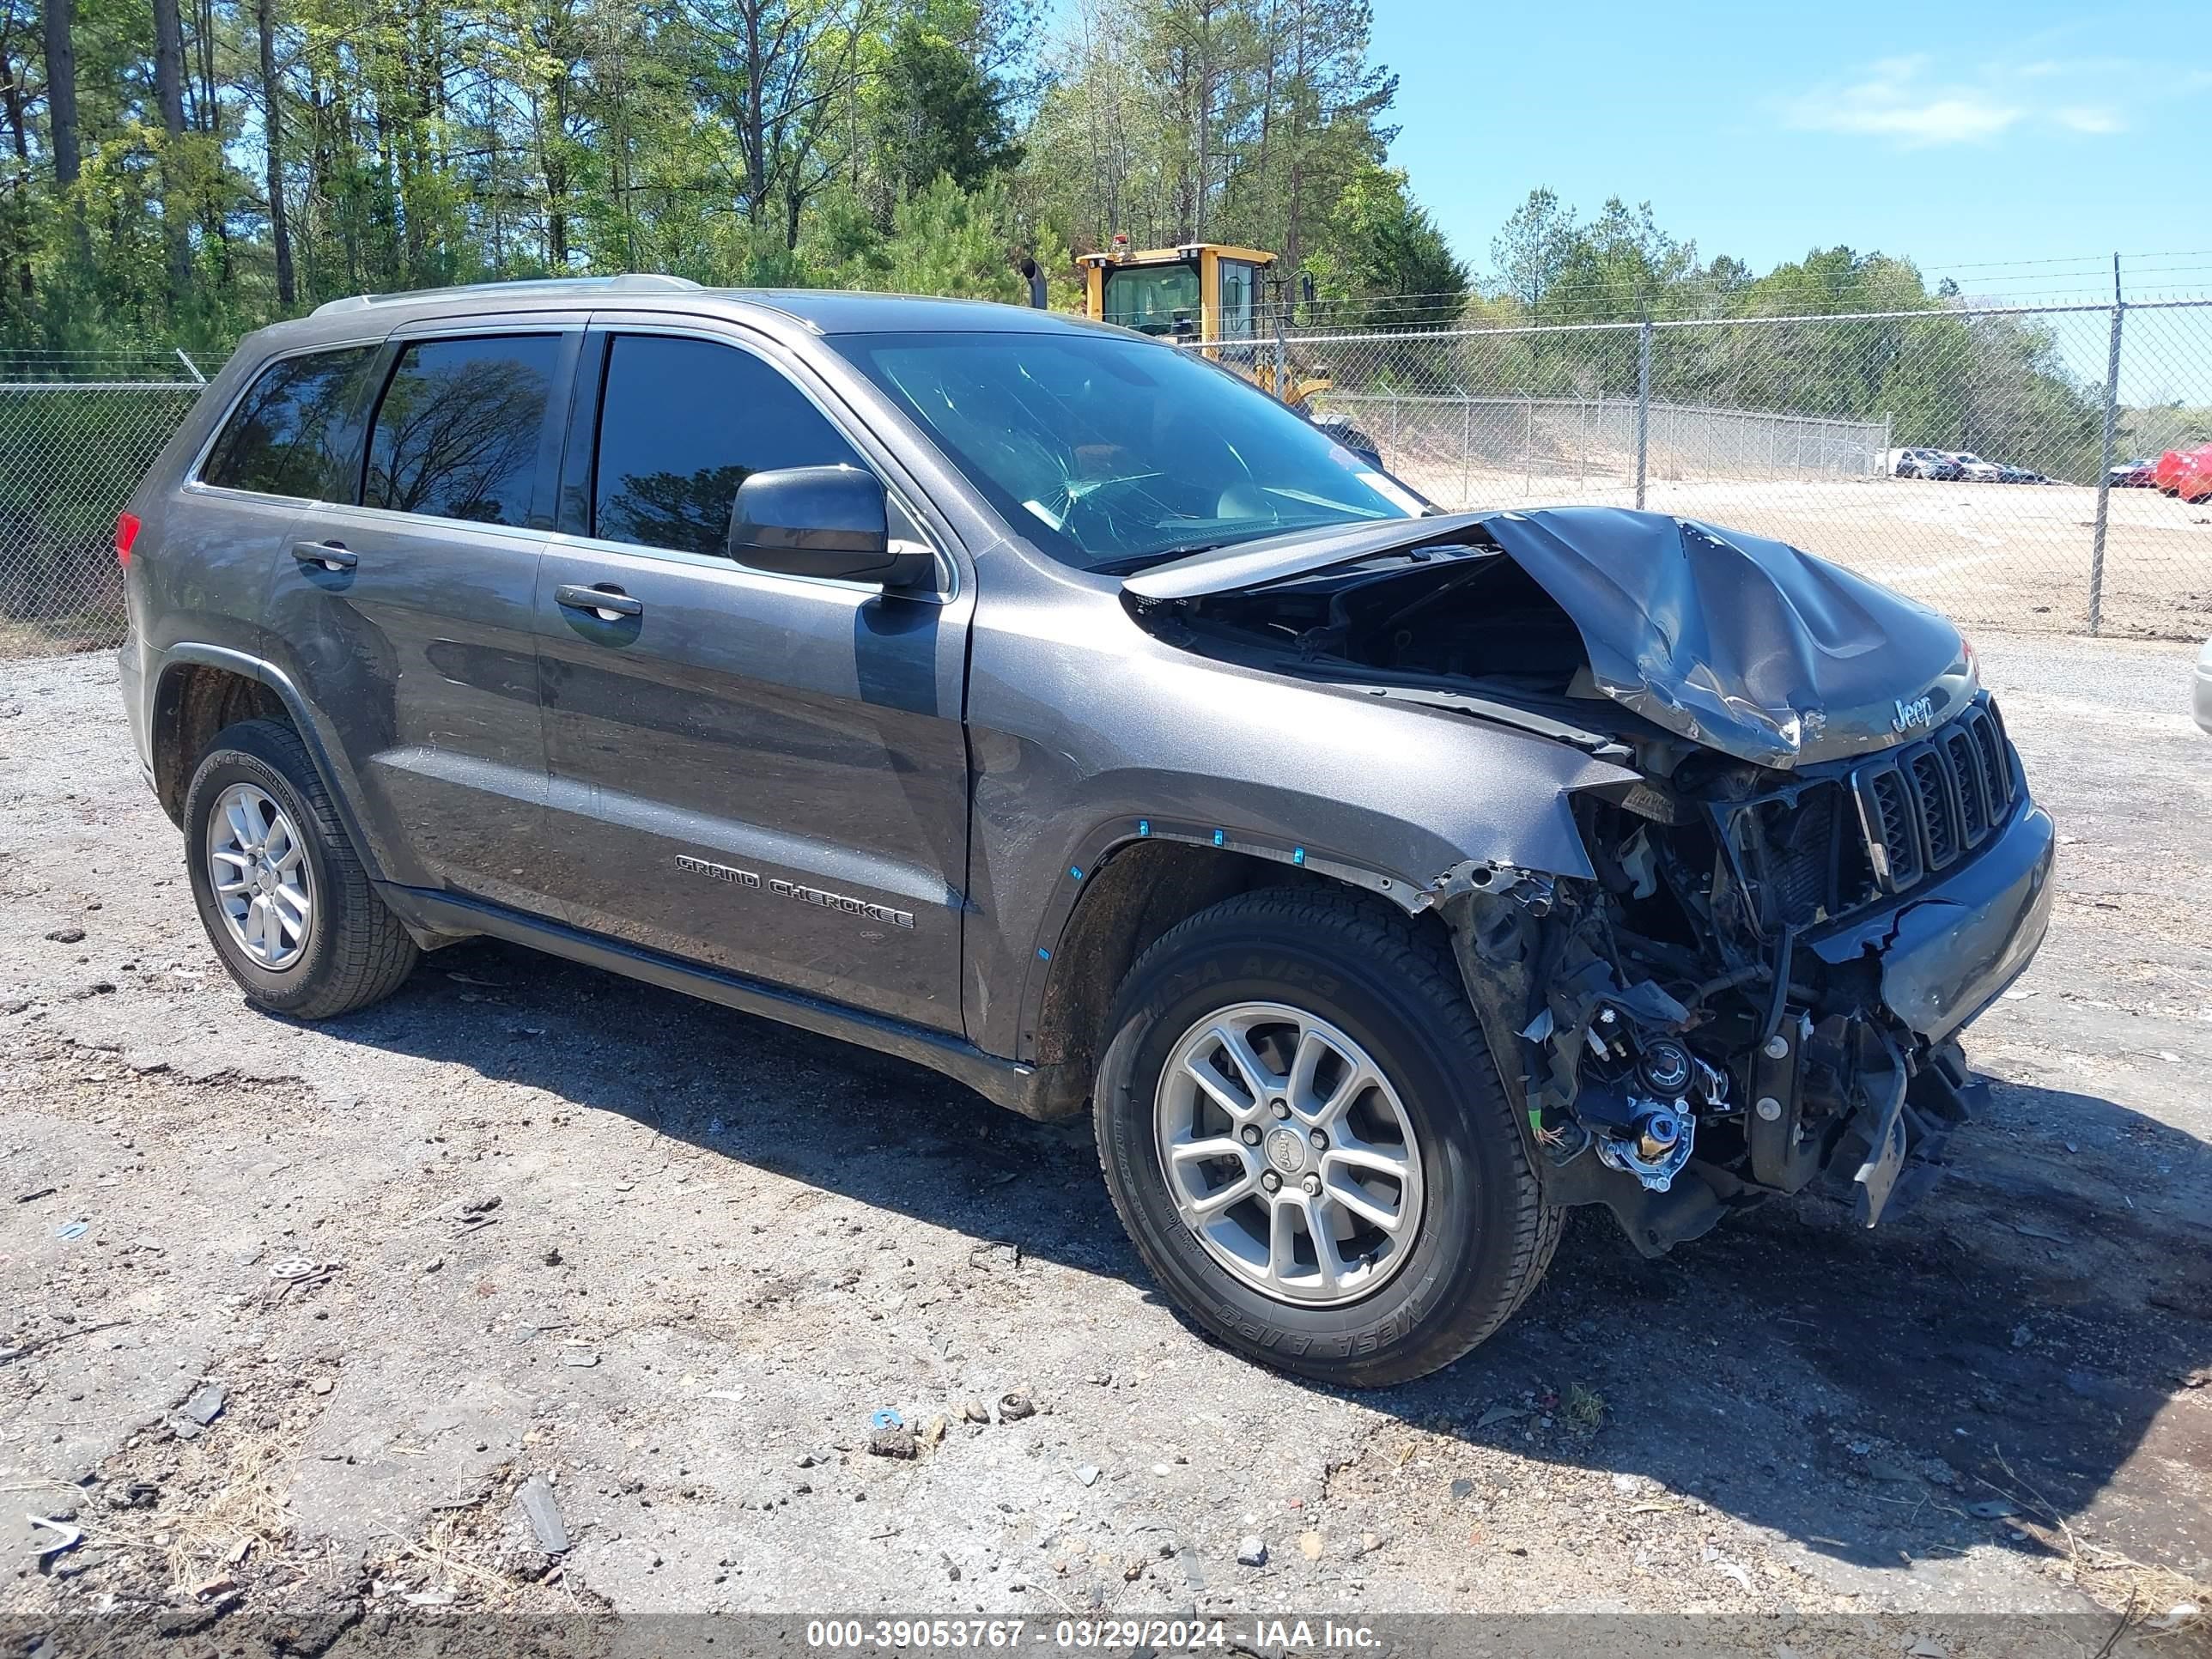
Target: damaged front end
1826 865
1764 983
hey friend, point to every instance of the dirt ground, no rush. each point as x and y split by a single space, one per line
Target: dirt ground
528 1221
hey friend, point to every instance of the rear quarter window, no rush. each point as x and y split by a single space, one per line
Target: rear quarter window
288 436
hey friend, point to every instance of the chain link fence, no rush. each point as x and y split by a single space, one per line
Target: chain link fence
1959 455
1840 435
77 434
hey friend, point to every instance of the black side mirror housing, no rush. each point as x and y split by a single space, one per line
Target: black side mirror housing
825 521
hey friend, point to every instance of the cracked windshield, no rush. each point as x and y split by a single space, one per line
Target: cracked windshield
1113 454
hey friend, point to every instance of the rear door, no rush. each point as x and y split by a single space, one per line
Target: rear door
764 773
288 441
410 604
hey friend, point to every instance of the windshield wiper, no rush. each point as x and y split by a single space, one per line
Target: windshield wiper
1130 563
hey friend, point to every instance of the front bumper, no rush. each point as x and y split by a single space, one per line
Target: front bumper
1950 948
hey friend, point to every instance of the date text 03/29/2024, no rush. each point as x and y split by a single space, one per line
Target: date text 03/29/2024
1183 1635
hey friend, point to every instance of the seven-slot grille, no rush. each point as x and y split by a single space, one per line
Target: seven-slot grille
1928 804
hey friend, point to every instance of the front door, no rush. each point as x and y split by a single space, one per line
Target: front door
411 611
767 774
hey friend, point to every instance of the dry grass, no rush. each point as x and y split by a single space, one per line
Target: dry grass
466 1550
58 636
2149 1599
225 1502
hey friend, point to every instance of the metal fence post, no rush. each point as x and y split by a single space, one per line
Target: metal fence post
1466 450
1282 363
1642 406
1882 468
2104 456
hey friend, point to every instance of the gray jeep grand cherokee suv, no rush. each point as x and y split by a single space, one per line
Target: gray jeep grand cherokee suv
1047 705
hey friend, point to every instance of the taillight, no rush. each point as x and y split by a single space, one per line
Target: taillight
126 533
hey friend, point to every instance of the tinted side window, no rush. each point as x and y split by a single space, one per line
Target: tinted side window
458 433
682 423
285 435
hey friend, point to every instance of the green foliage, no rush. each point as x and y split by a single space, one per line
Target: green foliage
1381 244
940 114
2152 431
754 141
1993 384
1240 121
925 145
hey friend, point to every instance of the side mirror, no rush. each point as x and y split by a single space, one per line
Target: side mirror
829 521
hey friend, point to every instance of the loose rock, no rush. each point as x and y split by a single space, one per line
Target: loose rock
1252 1551
205 1404
539 1507
895 1440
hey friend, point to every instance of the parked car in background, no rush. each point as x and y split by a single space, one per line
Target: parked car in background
1925 464
2186 473
2008 473
2133 475
1974 469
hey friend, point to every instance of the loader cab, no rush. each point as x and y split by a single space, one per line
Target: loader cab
1203 291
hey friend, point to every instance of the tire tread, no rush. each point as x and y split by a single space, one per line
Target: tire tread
369 954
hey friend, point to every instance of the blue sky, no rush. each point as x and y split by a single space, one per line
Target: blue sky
1974 138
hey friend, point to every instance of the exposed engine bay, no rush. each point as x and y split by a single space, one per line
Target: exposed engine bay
1806 891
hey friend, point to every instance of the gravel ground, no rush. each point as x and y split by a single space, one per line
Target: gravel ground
673 1261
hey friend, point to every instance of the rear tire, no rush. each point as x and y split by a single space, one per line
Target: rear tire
280 890
1280 970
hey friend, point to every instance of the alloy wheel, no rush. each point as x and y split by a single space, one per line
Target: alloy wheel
1289 1154
257 865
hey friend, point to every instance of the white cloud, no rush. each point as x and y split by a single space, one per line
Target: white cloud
2086 118
1916 104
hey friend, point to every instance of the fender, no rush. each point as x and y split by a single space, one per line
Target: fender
337 778
1381 832
1086 732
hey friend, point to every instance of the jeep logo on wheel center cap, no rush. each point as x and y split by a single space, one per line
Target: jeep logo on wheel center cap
1286 1150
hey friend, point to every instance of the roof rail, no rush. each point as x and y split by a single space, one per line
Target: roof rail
640 282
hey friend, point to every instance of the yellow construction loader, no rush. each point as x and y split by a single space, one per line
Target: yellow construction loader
1207 294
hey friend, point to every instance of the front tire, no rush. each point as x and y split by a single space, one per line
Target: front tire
283 897
1305 1134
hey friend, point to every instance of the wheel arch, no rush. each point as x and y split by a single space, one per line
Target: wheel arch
1138 888
200 690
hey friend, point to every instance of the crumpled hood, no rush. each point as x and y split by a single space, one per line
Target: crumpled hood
1745 645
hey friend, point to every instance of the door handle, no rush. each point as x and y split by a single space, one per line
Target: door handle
331 556
606 603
